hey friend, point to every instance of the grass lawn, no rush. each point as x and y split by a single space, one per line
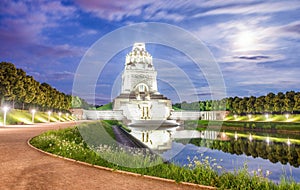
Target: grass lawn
25 117
70 143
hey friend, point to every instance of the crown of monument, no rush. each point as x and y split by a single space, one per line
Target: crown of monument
138 55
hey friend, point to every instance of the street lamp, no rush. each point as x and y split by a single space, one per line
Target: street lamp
287 116
59 114
267 116
33 112
5 109
49 113
288 142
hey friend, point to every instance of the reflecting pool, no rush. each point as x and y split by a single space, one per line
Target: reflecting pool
272 155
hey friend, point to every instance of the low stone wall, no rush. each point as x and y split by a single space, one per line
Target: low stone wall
103 115
175 115
195 115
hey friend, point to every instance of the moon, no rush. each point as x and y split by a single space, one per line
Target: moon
245 41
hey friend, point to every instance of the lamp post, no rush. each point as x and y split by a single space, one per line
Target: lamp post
49 114
5 109
287 116
33 112
59 114
267 116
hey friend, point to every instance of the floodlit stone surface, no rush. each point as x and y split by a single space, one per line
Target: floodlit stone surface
139 98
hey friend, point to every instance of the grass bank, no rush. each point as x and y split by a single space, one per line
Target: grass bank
269 125
94 143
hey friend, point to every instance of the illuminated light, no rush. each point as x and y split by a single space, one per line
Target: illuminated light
235 117
249 116
223 135
49 114
250 137
288 142
268 140
33 112
267 116
5 109
67 115
287 116
59 119
235 135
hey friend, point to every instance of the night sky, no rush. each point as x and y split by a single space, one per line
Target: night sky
255 43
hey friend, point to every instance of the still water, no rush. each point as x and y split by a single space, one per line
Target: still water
273 155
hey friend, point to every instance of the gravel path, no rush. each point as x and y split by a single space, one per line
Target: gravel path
22 167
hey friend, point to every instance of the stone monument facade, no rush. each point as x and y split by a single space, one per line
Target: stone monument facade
139 98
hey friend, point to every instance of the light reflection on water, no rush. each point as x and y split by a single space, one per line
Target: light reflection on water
279 158
231 162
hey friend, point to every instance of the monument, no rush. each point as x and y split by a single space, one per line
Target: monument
140 102
139 99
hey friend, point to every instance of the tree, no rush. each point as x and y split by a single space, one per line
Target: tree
229 103
289 101
250 105
8 73
279 102
235 105
259 104
297 102
269 102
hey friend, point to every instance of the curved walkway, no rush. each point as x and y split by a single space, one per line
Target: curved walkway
22 167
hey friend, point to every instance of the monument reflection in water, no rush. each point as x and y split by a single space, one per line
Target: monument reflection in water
273 158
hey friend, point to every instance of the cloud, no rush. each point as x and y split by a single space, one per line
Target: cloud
290 30
255 57
23 23
252 8
61 75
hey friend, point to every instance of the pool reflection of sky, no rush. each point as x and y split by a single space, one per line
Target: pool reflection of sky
230 162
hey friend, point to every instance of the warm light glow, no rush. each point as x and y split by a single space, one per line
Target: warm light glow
59 119
49 113
287 116
5 108
268 140
288 142
267 116
33 112
250 137
235 117
235 135
67 115
249 116
223 135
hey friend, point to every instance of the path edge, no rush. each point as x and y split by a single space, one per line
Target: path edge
120 171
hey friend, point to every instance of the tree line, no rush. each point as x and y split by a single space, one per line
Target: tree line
288 102
22 91
275 152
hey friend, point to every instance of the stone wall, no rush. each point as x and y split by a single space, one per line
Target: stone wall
175 115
